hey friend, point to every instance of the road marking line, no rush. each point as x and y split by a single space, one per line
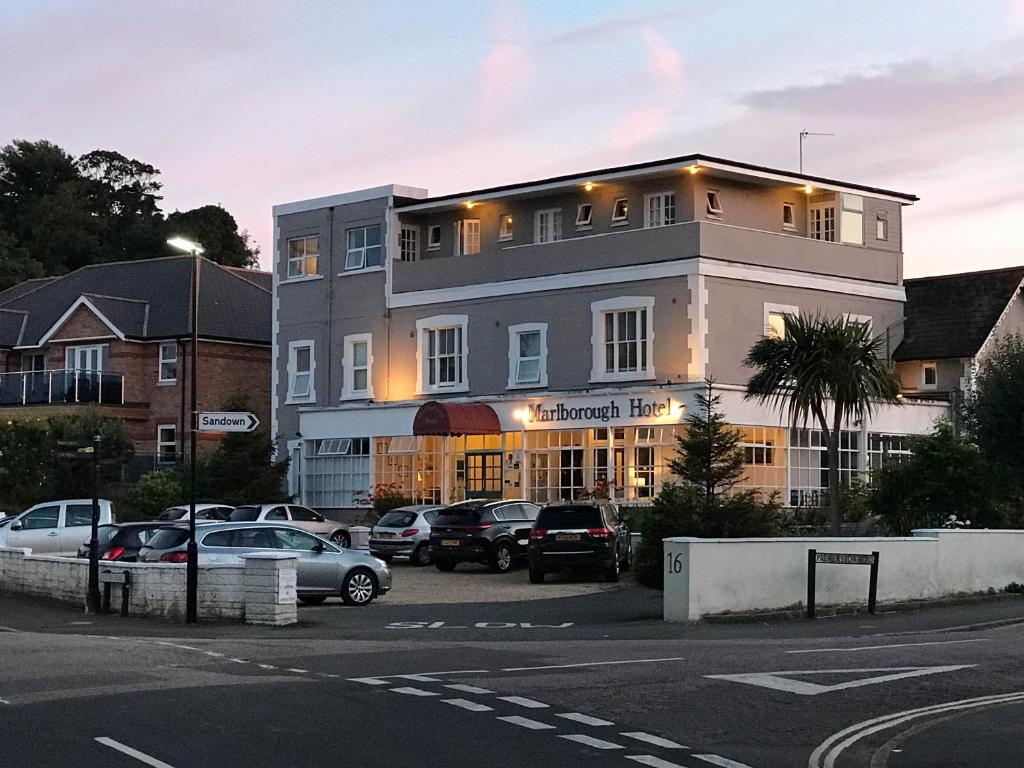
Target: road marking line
472 706
266 666
124 749
368 681
449 672
214 653
4 701
526 722
295 669
585 719
591 664
239 661
721 761
326 674
776 681
177 645
467 688
897 645
654 762
590 741
414 692
522 702
419 678
382 679
652 739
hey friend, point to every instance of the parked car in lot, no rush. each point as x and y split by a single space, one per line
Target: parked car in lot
103 534
293 514
405 532
54 527
324 569
579 536
218 512
492 532
128 539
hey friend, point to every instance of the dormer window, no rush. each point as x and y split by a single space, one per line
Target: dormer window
620 211
584 215
714 207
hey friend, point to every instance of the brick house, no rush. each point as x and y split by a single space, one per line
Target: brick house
117 336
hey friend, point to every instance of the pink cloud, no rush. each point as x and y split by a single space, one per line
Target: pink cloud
665 62
638 127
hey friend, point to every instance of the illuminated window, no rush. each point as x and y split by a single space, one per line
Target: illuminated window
302 256
851 220
505 228
584 215
620 211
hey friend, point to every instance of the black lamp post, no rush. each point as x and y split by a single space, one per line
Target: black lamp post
92 596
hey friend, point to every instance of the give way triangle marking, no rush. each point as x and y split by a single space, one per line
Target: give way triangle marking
780 682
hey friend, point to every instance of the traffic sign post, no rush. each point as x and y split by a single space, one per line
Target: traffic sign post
228 421
840 558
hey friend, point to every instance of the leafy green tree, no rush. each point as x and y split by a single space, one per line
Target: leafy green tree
944 477
152 494
70 475
994 418
826 371
217 231
26 455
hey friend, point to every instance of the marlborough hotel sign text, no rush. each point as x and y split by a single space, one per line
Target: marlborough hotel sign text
589 411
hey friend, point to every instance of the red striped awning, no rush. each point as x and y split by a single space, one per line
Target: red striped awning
435 418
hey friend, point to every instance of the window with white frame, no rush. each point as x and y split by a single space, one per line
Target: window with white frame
505 227
881 226
885 450
775 319
821 217
547 226
929 376
620 211
622 339
357 381
584 215
808 472
660 209
527 355
168 362
167 444
789 217
433 237
851 219
409 243
866 320
301 365
303 253
714 204
336 472
363 248
467 237
442 353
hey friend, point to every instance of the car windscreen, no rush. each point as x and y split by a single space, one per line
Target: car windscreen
168 538
397 520
569 517
456 516
172 514
244 514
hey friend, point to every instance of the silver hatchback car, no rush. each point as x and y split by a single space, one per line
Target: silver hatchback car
324 569
404 532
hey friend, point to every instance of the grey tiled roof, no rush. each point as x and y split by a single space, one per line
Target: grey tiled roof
150 299
950 316
11 325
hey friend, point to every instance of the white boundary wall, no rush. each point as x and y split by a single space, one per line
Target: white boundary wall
709 576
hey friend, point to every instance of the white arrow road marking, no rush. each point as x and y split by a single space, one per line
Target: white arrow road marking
526 722
655 740
413 692
467 688
590 741
419 678
528 703
4 701
721 761
776 681
585 719
472 706
124 749
654 762
590 664
879 647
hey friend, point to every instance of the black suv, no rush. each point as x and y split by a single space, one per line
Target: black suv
492 532
579 535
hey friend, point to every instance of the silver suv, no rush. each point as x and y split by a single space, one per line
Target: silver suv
324 569
293 514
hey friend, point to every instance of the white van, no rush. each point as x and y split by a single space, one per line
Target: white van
54 527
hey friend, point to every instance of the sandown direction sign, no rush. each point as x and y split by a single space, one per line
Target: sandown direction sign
238 421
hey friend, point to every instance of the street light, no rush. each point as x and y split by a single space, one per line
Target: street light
192 557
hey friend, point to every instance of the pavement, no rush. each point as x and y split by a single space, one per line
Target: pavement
590 678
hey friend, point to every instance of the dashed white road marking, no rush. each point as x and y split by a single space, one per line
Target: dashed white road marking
655 740
585 719
124 749
414 692
326 674
368 681
4 701
214 654
879 647
419 678
526 722
178 645
654 762
524 702
296 669
266 666
239 661
468 688
591 664
722 762
472 706
590 741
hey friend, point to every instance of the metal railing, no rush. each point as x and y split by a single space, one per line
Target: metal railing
70 385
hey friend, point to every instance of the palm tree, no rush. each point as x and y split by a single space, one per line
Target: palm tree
819 368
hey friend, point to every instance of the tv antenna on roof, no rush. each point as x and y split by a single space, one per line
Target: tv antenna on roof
803 135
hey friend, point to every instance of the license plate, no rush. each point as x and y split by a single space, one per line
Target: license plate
567 537
450 542
387 535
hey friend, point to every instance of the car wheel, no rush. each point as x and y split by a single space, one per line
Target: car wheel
312 599
421 555
536 576
501 557
627 561
611 573
444 565
359 587
341 538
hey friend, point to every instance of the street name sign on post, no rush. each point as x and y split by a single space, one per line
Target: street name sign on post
840 558
228 421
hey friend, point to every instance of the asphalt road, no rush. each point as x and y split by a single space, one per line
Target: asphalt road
616 688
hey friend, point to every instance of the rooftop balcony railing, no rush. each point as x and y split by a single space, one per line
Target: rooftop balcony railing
71 385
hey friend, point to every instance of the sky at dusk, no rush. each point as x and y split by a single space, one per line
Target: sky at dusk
249 104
